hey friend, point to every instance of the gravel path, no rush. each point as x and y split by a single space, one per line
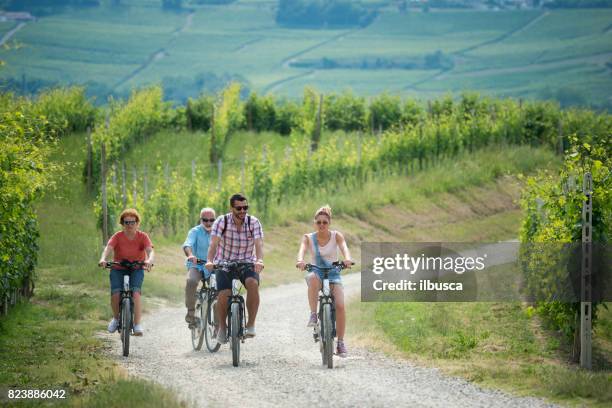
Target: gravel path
282 364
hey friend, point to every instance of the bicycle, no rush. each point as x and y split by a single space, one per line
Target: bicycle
236 314
205 326
126 304
325 330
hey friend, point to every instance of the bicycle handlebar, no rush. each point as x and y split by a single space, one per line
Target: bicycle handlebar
227 265
132 265
337 264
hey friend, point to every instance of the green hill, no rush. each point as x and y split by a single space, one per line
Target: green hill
561 54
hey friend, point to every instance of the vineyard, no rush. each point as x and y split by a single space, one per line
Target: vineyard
474 122
333 142
28 129
560 54
553 205
383 138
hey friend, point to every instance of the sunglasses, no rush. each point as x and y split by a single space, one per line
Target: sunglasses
241 207
207 219
322 222
130 222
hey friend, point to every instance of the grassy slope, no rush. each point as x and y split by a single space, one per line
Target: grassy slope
500 345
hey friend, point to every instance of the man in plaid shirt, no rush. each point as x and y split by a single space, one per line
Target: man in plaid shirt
233 238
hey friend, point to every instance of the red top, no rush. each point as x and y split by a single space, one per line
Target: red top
130 249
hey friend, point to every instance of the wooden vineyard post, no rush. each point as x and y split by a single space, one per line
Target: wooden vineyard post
89 162
123 185
560 137
145 185
586 274
134 184
219 175
104 196
242 166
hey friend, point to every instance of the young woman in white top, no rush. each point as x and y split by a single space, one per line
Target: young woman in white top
328 242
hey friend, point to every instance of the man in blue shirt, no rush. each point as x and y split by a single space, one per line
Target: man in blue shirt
196 247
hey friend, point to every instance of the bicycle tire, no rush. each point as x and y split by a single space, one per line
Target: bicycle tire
197 332
328 334
210 323
126 325
234 333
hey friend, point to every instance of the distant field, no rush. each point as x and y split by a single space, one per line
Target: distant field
6 26
529 53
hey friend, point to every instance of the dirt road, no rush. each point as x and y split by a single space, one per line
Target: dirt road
283 365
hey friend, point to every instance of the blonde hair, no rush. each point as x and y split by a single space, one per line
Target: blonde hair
129 212
325 210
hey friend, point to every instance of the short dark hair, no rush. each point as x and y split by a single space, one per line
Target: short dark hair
237 197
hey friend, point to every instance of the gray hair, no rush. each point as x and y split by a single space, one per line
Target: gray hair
208 209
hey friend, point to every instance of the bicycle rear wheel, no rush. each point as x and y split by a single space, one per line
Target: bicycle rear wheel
197 332
328 336
235 332
126 325
210 325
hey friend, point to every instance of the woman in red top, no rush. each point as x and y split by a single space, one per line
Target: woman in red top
132 245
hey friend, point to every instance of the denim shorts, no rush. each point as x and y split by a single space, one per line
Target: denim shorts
205 272
116 280
333 275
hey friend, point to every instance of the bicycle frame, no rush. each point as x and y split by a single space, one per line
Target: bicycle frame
237 297
126 294
326 297
236 313
325 330
204 327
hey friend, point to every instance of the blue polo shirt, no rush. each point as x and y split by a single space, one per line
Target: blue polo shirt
198 239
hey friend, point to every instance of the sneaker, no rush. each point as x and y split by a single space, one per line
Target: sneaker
249 332
138 331
189 317
194 324
341 350
312 322
113 325
222 336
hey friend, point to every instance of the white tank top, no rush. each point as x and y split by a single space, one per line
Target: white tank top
329 251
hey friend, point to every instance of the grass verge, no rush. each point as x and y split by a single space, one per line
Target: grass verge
495 344
51 342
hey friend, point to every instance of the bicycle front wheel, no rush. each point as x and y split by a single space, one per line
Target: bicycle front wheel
235 333
211 325
126 325
197 332
328 336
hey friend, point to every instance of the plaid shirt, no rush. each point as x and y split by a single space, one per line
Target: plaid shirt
236 245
